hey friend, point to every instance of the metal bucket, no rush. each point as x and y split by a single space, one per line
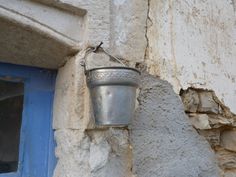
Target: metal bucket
113 94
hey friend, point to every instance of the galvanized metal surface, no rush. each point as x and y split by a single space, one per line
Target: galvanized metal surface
113 94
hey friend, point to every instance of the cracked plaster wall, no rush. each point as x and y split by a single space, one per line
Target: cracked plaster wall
192 44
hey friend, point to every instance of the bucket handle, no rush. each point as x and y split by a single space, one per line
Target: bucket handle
95 49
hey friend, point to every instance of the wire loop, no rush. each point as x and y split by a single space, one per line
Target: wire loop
95 50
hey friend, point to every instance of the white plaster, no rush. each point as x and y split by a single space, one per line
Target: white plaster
192 44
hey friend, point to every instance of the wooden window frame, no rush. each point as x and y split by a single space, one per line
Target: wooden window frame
36 149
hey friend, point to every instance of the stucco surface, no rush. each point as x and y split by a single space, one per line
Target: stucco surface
164 142
192 44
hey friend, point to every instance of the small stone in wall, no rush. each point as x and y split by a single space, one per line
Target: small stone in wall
217 121
207 103
190 100
200 121
226 159
228 139
212 136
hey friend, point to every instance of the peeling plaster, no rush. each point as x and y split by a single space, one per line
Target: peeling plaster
192 44
215 122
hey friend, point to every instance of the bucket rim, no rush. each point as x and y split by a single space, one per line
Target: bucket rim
114 67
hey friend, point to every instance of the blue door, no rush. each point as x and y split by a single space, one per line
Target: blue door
36 144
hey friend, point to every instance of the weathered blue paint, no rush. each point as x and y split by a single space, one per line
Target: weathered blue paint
36 157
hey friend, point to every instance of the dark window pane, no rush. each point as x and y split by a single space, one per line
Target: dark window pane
11 106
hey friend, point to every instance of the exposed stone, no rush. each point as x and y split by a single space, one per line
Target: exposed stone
212 136
190 100
200 121
226 159
164 143
93 153
228 139
217 121
207 103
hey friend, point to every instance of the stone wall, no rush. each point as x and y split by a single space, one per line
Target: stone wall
216 123
188 43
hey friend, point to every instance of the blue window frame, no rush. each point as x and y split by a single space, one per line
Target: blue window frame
36 154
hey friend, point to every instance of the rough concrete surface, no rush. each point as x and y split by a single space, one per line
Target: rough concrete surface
164 142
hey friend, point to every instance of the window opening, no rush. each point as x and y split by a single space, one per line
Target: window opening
11 107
